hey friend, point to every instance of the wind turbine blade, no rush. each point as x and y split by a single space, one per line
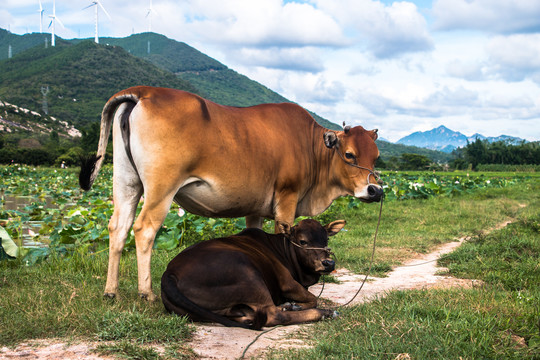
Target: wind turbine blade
57 19
50 25
105 11
86 7
40 6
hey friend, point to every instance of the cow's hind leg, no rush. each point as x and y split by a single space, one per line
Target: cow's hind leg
155 208
126 197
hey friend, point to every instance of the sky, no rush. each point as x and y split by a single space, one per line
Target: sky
398 66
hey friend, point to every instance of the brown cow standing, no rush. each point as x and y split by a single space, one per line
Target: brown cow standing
267 161
240 280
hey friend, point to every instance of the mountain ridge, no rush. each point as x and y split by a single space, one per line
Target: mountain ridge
207 76
444 139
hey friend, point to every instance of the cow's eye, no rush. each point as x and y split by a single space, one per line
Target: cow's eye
302 242
349 155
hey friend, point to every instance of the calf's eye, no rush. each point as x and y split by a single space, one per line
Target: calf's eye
349 155
302 242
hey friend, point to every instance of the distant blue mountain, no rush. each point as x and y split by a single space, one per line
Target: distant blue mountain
446 140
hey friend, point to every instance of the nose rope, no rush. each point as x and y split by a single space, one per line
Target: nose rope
372 256
325 249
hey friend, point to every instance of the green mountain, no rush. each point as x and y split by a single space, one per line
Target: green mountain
389 150
80 77
20 43
214 80
209 78
168 54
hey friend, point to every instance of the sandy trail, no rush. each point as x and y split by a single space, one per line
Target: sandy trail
218 342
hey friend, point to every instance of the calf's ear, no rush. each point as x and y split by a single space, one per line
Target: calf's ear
374 134
284 228
334 227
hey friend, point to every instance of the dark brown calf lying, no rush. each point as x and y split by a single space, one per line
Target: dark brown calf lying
240 280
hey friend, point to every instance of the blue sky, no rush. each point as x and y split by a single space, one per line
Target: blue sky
399 66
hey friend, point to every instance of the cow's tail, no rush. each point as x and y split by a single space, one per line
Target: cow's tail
175 296
90 165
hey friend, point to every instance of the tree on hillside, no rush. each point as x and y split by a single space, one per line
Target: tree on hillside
499 152
476 153
414 162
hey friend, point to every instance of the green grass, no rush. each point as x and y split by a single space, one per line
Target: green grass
62 297
499 319
441 324
417 226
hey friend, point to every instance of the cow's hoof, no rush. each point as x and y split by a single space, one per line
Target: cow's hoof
148 297
109 296
290 307
330 314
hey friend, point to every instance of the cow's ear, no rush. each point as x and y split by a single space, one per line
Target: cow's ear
330 139
284 228
374 134
334 227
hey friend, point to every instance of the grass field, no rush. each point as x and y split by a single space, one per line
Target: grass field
61 296
498 320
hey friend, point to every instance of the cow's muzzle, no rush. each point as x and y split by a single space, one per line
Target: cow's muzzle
375 193
329 265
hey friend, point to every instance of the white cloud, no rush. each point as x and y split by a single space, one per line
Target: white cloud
263 23
300 59
473 65
451 99
499 16
472 71
390 31
515 57
310 88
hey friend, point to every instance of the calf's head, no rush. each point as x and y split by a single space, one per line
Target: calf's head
356 154
310 240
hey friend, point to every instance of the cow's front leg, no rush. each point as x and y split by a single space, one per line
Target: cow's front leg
277 317
285 204
294 292
290 306
253 221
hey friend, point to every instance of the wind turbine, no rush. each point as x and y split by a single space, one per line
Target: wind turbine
96 3
40 11
149 16
54 19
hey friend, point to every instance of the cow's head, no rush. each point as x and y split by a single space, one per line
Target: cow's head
310 240
354 160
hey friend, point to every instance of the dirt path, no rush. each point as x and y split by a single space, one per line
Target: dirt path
218 342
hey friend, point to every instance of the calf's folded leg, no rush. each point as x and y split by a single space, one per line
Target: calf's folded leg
275 316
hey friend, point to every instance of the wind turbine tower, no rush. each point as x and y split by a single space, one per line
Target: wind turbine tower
40 11
54 19
97 3
149 16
